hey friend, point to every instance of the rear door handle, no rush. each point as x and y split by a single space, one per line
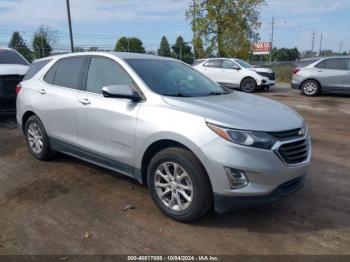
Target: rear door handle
85 101
42 91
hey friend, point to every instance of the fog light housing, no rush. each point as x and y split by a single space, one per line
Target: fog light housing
236 178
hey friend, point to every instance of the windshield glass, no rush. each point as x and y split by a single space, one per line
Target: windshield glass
11 57
172 78
243 63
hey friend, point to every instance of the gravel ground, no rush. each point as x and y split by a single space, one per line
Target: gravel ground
66 206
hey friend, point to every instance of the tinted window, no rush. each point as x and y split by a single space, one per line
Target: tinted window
172 78
227 64
303 63
243 63
332 63
105 72
35 68
11 57
197 62
216 63
347 63
66 72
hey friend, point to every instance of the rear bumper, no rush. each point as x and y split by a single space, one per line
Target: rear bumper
294 85
225 202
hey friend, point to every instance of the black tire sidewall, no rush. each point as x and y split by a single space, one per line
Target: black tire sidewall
249 91
45 152
312 81
195 208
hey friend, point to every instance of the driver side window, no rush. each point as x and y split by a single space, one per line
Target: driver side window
229 64
105 72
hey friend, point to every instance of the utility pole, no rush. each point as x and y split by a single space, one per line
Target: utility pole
340 47
272 29
70 27
321 39
313 42
181 51
194 29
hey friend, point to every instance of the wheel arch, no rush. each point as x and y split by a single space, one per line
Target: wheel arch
156 147
25 118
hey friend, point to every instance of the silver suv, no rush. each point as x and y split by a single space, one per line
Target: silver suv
194 144
326 75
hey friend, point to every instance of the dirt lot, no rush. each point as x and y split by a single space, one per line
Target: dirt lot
69 207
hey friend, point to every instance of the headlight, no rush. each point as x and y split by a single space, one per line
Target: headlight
247 138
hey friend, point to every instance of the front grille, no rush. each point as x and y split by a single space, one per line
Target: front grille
288 134
291 186
295 152
270 76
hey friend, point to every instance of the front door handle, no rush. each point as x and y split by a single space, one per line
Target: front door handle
85 101
42 91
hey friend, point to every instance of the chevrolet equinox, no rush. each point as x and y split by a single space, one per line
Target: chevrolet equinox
194 144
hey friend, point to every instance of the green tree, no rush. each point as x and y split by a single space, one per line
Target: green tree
285 54
182 51
228 26
198 48
18 43
79 49
129 44
42 40
164 48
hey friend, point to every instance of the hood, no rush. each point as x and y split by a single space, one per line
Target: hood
13 69
241 111
262 69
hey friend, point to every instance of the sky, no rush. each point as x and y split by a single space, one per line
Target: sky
101 23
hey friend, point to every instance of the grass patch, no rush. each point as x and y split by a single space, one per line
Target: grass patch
283 73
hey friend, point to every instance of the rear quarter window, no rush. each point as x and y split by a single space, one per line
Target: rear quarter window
35 67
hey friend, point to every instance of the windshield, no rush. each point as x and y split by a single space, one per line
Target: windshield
11 57
173 78
243 63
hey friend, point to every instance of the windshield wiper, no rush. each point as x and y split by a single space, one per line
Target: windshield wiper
217 93
177 95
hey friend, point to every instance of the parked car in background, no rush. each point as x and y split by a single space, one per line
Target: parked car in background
236 73
322 75
195 144
13 66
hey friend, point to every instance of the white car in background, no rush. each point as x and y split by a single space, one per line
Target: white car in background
236 73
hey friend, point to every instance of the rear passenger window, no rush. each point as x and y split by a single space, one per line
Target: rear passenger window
332 63
66 72
105 72
35 67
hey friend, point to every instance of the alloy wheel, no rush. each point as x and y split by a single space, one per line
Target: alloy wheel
173 186
35 138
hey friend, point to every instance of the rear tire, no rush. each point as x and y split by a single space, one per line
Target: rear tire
37 140
310 88
248 85
179 184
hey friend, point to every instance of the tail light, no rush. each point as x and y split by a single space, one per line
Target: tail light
18 88
295 70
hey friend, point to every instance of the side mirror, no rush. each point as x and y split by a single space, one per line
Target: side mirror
120 91
236 67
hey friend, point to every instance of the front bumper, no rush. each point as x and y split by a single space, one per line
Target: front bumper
223 202
265 170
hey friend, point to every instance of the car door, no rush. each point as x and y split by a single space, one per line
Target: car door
331 74
57 102
347 77
213 69
231 73
105 125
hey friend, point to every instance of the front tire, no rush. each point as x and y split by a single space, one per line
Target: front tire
179 184
37 140
248 85
310 88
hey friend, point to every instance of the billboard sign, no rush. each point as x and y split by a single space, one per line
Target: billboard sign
262 48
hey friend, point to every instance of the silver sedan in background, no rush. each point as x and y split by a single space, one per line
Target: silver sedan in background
322 75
